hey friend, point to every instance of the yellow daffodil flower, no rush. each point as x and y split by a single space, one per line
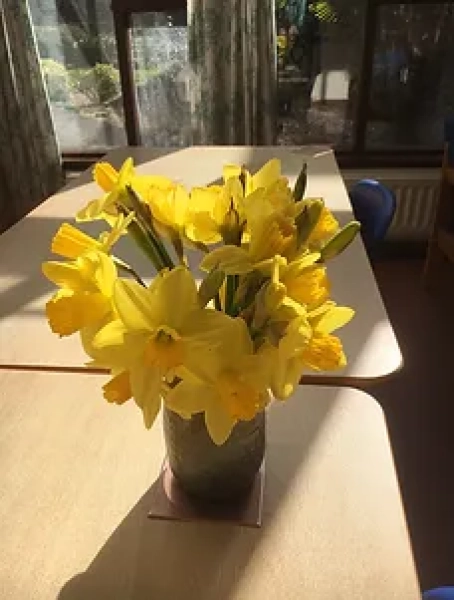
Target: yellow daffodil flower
106 176
306 282
325 352
165 343
266 177
206 214
275 235
292 291
307 343
169 205
274 200
264 194
233 386
86 290
283 357
161 332
216 213
114 184
71 242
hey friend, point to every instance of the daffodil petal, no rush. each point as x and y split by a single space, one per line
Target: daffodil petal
133 304
209 336
267 175
126 172
68 313
105 274
297 335
218 421
217 345
335 318
286 377
67 275
114 347
113 334
105 176
230 171
146 387
118 389
93 211
230 259
188 398
176 297
71 242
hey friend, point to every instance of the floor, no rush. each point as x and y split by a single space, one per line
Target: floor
419 408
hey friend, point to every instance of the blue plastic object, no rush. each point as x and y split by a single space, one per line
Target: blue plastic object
442 593
374 206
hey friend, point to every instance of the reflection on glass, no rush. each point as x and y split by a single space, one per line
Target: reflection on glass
413 75
160 47
78 54
319 58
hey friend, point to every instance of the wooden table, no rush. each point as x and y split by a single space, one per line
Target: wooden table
76 476
26 341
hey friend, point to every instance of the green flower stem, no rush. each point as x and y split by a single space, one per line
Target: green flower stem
122 266
147 225
160 249
230 290
217 303
143 242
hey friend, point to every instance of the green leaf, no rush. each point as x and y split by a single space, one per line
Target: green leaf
300 185
340 241
308 219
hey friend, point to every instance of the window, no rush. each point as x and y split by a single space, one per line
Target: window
373 78
319 62
412 87
76 43
160 54
367 76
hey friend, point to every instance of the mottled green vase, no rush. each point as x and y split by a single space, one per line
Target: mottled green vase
210 473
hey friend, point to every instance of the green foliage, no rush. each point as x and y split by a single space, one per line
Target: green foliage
75 46
324 11
100 84
321 9
107 82
57 80
142 76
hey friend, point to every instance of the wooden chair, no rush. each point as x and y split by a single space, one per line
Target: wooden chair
441 242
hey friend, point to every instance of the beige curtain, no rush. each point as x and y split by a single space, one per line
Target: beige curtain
232 53
30 167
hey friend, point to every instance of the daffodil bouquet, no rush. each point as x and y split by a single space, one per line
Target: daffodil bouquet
225 345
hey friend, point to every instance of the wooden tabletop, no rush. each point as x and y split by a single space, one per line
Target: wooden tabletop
26 341
76 481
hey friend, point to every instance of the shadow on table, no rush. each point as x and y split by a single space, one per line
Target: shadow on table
27 243
158 560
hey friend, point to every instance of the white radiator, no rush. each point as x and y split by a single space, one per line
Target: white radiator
416 193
